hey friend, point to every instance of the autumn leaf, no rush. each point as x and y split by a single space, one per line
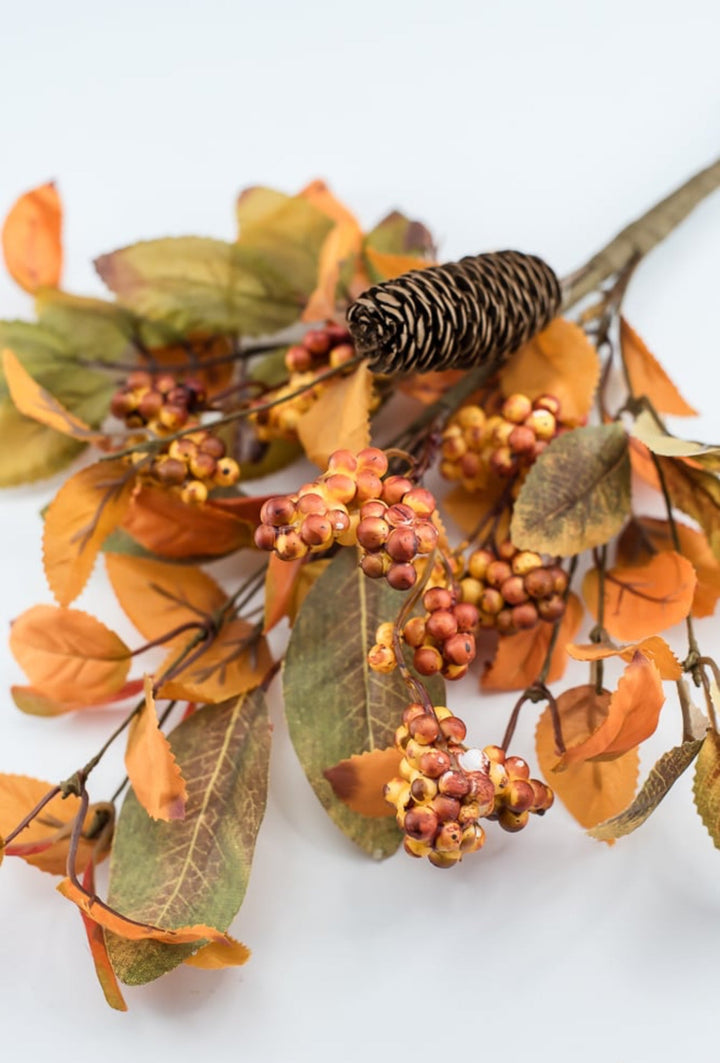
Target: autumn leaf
591 791
88 506
646 429
647 376
342 244
644 536
427 388
632 715
663 775
642 464
280 579
93 329
32 239
45 842
559 361
29 700
158 596
576 495
68 655
236 660
697 493
165 525
98 949
219 954
196 869
359 780
385 266
340 418
335 705
706 785
654 648
520 657
151 767
640 600
35 402
131 929
207 357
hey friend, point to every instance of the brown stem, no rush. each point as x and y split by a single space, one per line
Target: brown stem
31 815
641 236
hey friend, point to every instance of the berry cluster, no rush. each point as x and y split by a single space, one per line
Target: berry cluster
444 789
477 442
161 402
443 639
513 589
194 464
438 802
516 794
319 350
390 518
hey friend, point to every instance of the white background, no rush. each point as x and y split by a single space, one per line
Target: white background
541 125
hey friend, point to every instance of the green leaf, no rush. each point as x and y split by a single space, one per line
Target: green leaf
33 451
92 328
663 775
576 495
335 704
706 785
398 235
256 285
697 493
194 870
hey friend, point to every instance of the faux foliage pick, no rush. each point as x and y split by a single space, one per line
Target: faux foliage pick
217 363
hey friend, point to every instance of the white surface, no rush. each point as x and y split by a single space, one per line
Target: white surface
545 126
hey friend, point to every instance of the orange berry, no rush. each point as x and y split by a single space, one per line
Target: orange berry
516 408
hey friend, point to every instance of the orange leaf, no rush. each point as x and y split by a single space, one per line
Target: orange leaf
35 402
643 599
642 464
218 954
234 662
280 581
68 655
388 266
632 716
427 388
32 239
32 702
206 358
359 780
559 361
342 244
654 648
98 950
643 536
520 657
647 376
467 508
45 842
340 418
159 596
591 792
119 924
151 766
161 522
79 519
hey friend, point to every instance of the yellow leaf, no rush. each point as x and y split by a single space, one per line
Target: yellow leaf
647 376
219 954
520 657
632 715
118 924
559 361
359 780
35 402
159 596
32 239
68 655
654 648
234 662
340 418
640 600
591 792
85 510
706 785
151 766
